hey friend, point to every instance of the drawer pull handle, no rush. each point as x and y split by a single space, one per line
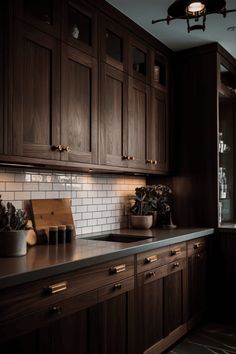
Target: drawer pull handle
117 269
151 274
197 245
176 252
117 286
151 259
56 309
56 288
176 265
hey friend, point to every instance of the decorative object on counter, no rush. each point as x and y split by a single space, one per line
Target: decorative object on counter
154 200
141 216
62 234
13 230
31 238
53 235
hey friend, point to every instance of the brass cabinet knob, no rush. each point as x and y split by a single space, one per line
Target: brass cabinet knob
176 265
130 158
56 309
151 274
197 245
57 148
66 148
149 161
117 286
154 162
124 157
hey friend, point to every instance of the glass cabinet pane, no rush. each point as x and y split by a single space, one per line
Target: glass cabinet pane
79 26
114 46
159 72
139 61
40 9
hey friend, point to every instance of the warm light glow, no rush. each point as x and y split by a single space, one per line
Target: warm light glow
196 8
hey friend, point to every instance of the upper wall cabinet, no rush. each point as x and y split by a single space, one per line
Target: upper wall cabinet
42 14
79 128
1 76
139 60
79 27
114 45
36 93
159 71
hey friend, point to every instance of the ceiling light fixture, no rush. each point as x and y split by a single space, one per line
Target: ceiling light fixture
194 10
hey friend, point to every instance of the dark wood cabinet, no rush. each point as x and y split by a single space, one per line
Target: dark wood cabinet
139 60
36 94
79 98
157 157
79 26
2 15
197 281
43 14
114 115
161 303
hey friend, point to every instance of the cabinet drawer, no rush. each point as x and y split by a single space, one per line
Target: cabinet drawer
49 313
24 299
160 256
197 245
115 289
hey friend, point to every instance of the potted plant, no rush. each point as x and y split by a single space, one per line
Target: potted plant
13 230
141 216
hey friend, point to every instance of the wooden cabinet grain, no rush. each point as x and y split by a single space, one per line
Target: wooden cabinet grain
79 99
2 15
36 93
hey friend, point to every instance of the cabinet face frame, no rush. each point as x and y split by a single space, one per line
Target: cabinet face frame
50 45
108 24
52 29
89 12
89 63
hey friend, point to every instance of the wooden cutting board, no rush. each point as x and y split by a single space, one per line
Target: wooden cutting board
51 212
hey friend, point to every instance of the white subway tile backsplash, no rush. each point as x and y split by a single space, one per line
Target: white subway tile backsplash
97 200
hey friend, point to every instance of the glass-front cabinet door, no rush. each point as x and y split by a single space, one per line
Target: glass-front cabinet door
227 148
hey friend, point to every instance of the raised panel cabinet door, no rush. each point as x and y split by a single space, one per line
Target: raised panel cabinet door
175 297
149 310
36 94
79 130
197 273
138 112
113 129
158 133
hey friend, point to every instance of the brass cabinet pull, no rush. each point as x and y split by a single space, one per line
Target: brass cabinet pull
117 269
57 148
124 157
149 161
56 288
56 309
154 162
151 259
197 245
152 274
117 286
176 265
176 252
130 158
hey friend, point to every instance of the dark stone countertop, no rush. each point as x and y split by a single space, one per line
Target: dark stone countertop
43 261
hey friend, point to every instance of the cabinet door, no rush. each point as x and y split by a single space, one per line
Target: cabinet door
149 311
175 296
138 112
113 142
2 13
158 133
79 106
197 287
43 14
36 94
115 318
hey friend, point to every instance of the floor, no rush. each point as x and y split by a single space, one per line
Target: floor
211 338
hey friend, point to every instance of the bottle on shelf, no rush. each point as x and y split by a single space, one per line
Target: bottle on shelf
222 183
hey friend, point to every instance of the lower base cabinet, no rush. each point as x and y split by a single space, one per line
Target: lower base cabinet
161 306
135 305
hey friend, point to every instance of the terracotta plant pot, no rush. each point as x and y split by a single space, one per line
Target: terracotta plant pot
141 221
13 243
